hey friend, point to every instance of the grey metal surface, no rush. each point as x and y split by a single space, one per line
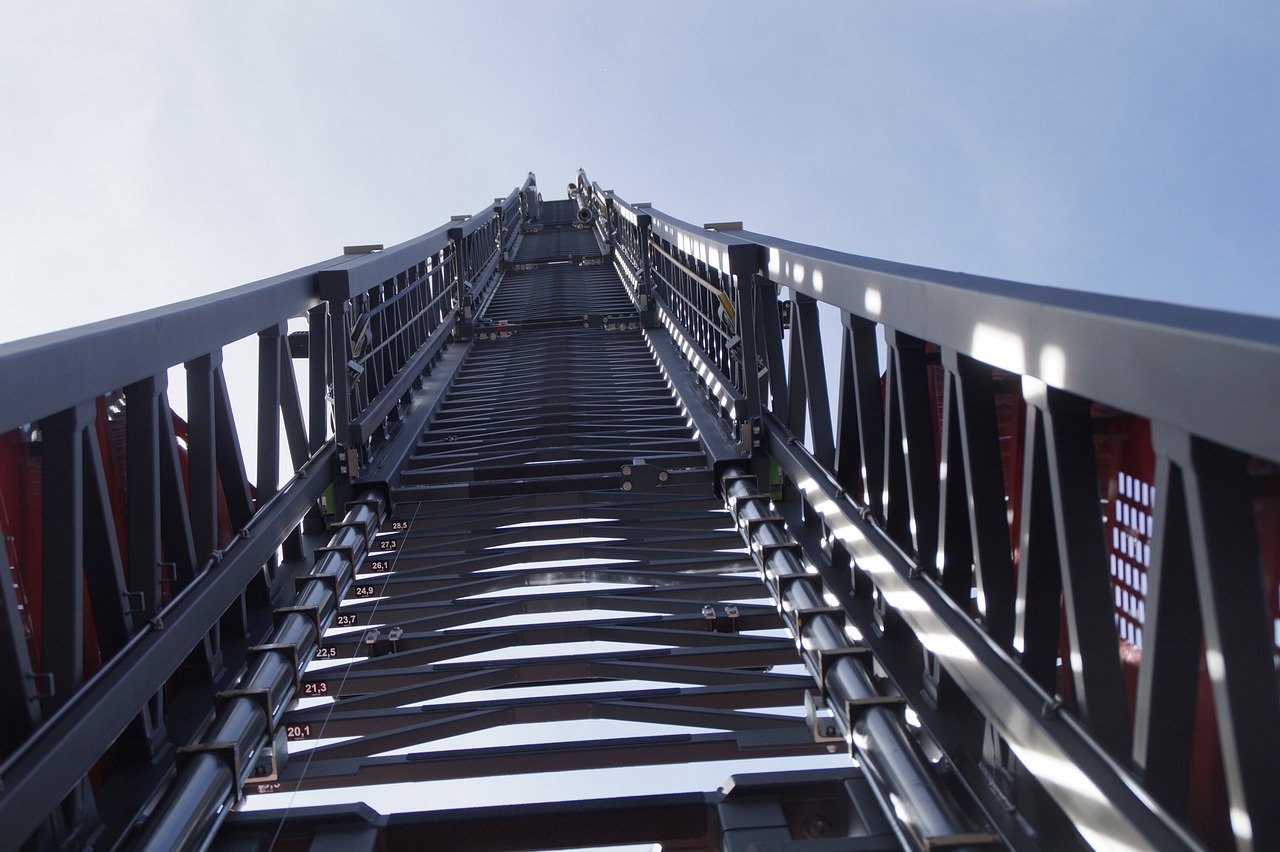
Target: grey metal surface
1208 372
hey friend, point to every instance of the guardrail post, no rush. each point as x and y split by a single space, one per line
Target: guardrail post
461 295
745 266
644 227
340 376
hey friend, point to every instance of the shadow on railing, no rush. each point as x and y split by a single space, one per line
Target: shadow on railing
1057 513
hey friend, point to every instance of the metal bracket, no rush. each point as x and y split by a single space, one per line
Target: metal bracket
752 523
311 612
782 582
261 695
803 615
228 751
270 759
642 476
291 651
734 500
792 547
828 657
821 733
330 580
853 710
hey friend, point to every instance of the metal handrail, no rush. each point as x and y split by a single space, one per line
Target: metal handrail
50 372
1202 380
1209 372
51 383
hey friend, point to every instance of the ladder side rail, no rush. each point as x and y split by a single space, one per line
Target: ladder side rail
1196 379
192 504
158 596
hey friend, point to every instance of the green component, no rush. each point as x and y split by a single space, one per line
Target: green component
327 504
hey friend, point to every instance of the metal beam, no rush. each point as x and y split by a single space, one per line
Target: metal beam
66 747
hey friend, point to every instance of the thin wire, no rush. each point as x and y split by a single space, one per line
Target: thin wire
341 683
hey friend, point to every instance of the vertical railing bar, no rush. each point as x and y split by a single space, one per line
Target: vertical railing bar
317 377
848 436
916 403
295 429
798 392
815 380
104 575
1038 608
896 504
269 396
1163 730
62 565
870 409
955 544
984 481
1238 639
142 480
231 471
202 454
19 702
1086 580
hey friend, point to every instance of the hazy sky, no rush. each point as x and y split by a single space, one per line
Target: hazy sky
154 151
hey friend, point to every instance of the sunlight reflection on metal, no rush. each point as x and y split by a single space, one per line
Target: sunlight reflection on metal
872 302
999 348
1053 365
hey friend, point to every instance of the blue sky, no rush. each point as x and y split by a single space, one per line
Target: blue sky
156 151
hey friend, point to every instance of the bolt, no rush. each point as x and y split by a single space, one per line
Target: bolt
816 826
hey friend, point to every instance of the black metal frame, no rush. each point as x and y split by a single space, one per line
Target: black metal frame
895 488
178 603
923 533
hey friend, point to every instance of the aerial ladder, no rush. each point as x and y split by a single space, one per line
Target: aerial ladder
560 501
